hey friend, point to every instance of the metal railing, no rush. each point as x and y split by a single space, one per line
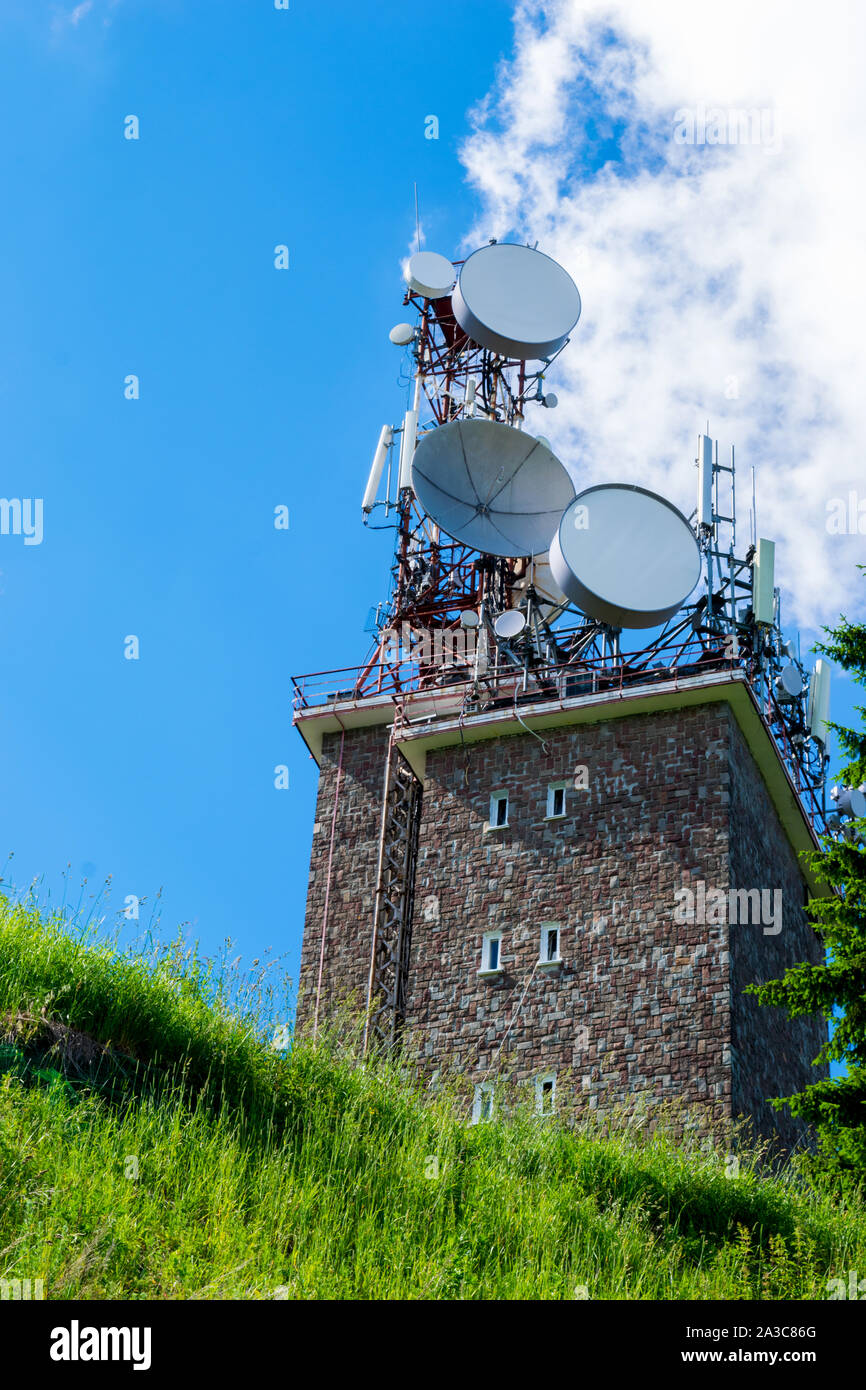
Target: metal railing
423 689
581 675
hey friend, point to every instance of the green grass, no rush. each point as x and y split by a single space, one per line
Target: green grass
196 1162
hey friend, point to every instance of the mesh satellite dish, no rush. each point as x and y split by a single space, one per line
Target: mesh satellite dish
509 624
625 556
430 274
515 301
490 486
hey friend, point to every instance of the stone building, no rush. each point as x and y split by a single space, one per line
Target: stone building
573 892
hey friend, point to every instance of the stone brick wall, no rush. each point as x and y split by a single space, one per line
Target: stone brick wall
638 1006
353 873
771 1054
642 1005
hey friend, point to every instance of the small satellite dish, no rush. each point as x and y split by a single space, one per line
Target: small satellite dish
515 301
509 624
625 556
430 274
788 685
490 486
468 618
850 801
551 400
401 334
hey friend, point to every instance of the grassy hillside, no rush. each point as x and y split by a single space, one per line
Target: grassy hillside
152 1145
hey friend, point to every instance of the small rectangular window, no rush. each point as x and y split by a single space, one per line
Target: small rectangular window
491 955
555 800
545 1094
482 1108
549 946
499 809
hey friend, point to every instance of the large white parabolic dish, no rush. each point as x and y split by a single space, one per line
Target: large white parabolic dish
630 559
491 486
515 301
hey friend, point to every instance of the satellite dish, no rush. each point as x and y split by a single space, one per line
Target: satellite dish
788 684
430 274
850 801
468 618
401 334
515 301
491 486
625 556
509 624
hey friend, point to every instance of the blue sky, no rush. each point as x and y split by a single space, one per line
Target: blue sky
258 387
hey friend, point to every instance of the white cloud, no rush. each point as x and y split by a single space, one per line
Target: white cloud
64 19
72 18
720 281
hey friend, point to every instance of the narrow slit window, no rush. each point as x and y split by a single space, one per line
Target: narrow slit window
499 809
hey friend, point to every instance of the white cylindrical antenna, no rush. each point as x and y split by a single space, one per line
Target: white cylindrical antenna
818 712
407 448
482 659
754 517
469 396
385 437
705 480
763 594
733 500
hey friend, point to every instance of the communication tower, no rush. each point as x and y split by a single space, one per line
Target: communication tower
577 710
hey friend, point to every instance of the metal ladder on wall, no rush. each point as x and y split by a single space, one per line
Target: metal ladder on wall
392 911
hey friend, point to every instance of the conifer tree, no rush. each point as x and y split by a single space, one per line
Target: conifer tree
837 987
